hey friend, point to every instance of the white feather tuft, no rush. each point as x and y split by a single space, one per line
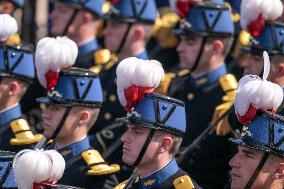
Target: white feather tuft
31 166
8 26
133 71
261 94
251 9
54 54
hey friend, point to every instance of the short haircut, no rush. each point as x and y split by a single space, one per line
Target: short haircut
177 140
227 42
94 113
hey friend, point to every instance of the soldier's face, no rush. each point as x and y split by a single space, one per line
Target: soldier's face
114 33
60 17
243 166
253 64
133 140
188 50
52 116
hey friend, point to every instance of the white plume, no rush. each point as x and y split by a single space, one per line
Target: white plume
31 166
8 26
251 9
54 54
133 71
261 94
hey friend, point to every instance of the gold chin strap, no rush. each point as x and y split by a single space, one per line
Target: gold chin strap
23 133
97 164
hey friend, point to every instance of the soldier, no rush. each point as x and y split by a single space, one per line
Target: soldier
205 39
162 46
72 106
269 39
127 32
17 71
128 29
259 161
79 21
156 125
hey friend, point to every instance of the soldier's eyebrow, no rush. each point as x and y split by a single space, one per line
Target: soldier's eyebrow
248 151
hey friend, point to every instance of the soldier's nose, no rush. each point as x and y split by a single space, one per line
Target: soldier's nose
234 161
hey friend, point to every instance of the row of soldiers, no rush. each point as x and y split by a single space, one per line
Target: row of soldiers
181 130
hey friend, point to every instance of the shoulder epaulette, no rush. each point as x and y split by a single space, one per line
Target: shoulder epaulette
229 85
97 165
228 82
121 185
162 29
165 84
103 58
23 133
183 182
14 39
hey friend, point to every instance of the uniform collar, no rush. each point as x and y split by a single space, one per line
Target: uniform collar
142 55
160 176
75 149
210 77
10 113
88 47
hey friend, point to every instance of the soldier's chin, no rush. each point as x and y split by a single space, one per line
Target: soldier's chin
127 160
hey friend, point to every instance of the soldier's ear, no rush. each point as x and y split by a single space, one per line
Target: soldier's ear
14 87
87 16
279 172
84 117
218 46
166 143
281 68
139 32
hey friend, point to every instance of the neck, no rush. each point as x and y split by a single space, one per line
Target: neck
210 66
152 167
63 142
84 33
135 49
8 103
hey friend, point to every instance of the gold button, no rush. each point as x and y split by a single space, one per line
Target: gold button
112 98
190 96
107 116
